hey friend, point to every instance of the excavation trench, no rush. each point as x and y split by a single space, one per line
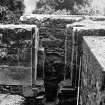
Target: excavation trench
59 54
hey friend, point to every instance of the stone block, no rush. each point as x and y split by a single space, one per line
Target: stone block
93 70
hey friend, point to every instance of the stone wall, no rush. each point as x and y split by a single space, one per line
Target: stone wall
16 44
57 44
63 42
93 71
61 36
11 99
77 30
53 38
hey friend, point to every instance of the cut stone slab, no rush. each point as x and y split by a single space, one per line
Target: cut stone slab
97 48
93 70
95 18
87 24
42 17
23 26
86 27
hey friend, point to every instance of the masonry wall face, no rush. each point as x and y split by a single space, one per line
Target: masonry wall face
92 78
76 33
16 44
57 45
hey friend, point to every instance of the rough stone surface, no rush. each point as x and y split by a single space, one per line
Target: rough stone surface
46 16
77 30
55 34
57 43
7 99
15 54
58 39
93 71
57 49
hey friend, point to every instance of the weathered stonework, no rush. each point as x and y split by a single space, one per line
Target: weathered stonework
52 32
77 30
65 44
46 16
16 43
93 71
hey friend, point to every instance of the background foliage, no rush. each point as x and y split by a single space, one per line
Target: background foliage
11 10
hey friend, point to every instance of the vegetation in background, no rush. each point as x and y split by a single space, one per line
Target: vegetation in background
52 7
64 7
10 11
